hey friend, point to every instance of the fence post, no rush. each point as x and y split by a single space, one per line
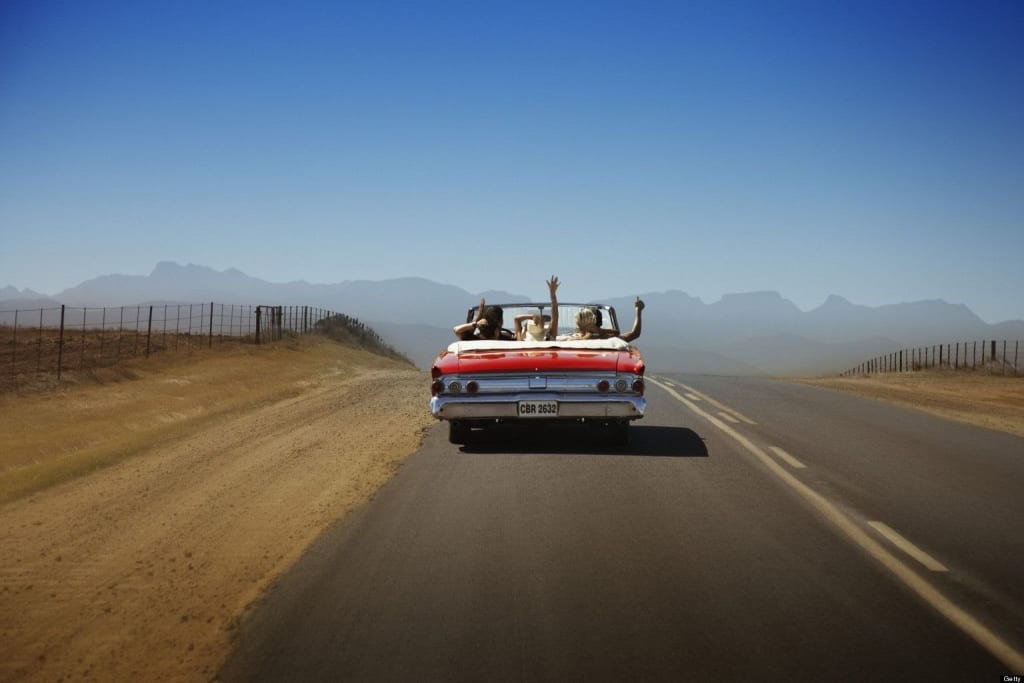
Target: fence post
149 331
13 352
257 325
39 345
60 342
1004 356
103 331
81 358
211 325
135 340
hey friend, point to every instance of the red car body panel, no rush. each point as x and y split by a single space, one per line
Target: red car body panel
540 360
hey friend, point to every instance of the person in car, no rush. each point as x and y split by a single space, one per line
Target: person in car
588 321
531 327
488 324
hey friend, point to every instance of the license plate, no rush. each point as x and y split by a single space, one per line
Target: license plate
538 409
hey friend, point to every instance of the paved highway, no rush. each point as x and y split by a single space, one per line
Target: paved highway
753 530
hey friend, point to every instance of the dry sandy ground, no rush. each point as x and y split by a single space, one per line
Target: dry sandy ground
978 398
210 476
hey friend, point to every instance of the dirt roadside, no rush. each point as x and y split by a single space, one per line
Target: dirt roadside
214 474
978 398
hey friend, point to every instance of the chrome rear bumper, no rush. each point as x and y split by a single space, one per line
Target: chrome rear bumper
569 408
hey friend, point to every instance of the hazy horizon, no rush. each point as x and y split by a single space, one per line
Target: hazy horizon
534 296
873 151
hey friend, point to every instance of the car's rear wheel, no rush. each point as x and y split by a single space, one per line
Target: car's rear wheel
458 431
618 433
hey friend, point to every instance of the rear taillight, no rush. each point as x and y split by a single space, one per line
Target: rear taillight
638 386
436 387
603 386
472 387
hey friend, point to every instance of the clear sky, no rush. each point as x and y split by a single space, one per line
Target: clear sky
869 149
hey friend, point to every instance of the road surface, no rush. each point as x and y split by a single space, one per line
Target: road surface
754 530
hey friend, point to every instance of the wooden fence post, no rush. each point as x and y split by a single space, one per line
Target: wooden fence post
149 332
211 325
81 358
13 351
60 342
257 325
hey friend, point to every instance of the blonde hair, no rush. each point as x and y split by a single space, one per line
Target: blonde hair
586 319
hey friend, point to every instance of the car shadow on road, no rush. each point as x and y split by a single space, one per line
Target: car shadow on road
649 441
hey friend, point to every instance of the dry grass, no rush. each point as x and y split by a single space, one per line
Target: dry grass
977 398
100 416
146 507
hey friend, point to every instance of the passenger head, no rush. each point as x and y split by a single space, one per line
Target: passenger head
495 317
535 328
586 320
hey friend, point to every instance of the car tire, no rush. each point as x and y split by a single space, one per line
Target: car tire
458 432
618 433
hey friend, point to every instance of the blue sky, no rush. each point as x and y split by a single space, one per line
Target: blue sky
872 149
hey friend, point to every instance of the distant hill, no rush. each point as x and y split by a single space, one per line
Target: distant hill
12 299
743 333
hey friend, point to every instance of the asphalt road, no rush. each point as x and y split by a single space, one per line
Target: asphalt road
754 530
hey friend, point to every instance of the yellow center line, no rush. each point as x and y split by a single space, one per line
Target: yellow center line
959 617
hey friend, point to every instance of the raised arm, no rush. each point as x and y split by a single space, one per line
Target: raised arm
552 290
517 325
637 322
465 331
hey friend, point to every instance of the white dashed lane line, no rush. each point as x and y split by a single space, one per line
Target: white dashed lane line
724 408
970 625
787 458
728 417
909 548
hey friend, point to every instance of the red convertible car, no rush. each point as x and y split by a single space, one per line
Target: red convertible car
600 382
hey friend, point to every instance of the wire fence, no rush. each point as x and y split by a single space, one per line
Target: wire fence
47 342
996 357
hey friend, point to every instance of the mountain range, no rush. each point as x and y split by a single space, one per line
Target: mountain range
749 333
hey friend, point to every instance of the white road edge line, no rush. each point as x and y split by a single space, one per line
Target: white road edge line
787 458
909 548
956 615
692 397
737 414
